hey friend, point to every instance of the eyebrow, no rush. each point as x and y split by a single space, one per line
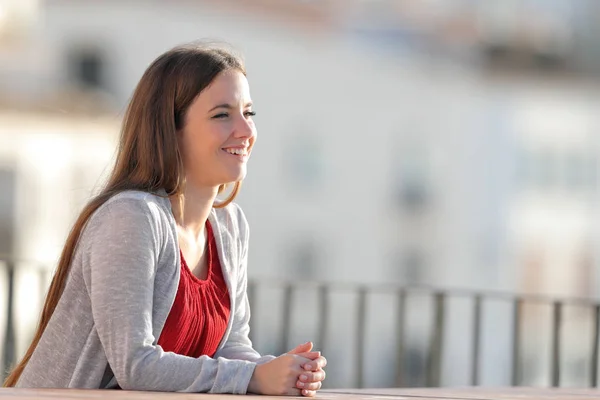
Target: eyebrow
228 106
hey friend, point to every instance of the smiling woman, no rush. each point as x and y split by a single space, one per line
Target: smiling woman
150 289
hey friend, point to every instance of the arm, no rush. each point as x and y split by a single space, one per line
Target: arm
238 345
122 252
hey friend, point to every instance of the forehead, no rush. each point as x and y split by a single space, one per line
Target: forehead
228 87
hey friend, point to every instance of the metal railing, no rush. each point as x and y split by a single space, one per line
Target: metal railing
438 323
434 352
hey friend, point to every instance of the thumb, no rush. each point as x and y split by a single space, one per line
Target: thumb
303 348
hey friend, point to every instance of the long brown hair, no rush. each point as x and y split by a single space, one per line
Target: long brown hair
148 157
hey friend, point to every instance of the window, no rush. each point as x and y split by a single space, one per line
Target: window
413 178
565 170
87 68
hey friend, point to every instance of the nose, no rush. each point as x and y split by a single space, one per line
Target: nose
244 128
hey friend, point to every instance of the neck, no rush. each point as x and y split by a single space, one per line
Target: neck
192 208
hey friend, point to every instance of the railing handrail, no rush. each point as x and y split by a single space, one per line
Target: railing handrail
429 289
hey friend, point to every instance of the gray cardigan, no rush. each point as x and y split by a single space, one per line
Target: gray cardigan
120 289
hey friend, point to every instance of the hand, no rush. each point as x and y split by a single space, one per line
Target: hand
278 376
312 376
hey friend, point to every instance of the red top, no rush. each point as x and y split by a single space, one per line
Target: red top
199 315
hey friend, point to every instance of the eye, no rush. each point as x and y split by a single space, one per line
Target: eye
220 116
250 113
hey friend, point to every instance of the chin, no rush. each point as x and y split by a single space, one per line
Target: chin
232 178
241 174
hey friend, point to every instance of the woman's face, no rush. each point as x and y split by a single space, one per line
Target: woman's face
219 132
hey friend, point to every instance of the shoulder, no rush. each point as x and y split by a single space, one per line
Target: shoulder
132 209
137 199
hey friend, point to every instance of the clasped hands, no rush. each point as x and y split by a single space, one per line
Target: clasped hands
299 372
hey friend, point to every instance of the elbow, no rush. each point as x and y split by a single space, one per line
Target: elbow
127 379
131 381
135 375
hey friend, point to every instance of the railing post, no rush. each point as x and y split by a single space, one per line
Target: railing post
556 324
516 345
287 318
595 345
434 365
323 326
361 328
8 358
476 340
400 334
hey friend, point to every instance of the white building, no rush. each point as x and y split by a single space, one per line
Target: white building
368 168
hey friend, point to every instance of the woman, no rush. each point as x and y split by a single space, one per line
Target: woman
150 290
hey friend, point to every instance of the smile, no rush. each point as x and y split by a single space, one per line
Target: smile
241 153
237 151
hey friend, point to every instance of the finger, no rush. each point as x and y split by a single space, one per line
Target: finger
309 385
299 361
302 348
318 363
317 376
309 393
311 355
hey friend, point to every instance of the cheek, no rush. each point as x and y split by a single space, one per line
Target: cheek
198 152
203 148
200 138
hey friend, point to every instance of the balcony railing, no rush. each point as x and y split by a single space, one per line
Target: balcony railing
438 324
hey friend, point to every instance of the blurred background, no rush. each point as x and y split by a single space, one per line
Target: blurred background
423 196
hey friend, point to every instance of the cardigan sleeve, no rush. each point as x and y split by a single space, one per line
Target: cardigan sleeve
122 249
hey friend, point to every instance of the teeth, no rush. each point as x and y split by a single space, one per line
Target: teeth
241 152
